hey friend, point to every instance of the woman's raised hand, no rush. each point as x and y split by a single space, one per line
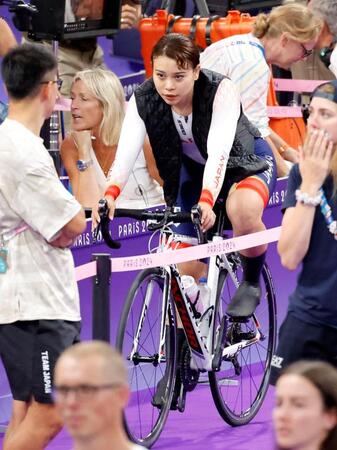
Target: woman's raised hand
83 142
315 156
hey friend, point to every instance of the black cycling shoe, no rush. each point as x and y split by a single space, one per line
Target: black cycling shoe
159 398
244 302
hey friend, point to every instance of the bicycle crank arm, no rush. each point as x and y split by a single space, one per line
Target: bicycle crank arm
181 399
232 350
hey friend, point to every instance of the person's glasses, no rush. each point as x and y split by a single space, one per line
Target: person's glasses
81 391
305 51
58 82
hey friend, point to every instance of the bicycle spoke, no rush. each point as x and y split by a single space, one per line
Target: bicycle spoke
239 387
139 340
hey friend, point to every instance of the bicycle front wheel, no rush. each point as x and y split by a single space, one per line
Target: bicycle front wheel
149 357
239 387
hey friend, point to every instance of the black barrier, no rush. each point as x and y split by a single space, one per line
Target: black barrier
101 297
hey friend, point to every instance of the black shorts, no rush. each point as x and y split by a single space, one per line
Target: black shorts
191 177
29 350
302 340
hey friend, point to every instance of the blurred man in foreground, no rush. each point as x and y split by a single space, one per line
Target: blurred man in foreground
91 392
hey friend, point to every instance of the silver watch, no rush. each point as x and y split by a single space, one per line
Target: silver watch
82 164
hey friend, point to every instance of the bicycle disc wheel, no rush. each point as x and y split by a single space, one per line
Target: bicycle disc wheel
148 359
239 387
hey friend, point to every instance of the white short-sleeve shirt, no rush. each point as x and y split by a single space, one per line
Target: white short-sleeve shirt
241 58
140 190
40 280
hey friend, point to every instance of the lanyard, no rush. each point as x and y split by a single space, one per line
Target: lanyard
254 44
327 213
10 234
5 237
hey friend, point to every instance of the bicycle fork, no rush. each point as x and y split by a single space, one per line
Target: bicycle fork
160 356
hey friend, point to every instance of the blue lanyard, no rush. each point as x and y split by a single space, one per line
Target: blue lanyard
327 213
254 44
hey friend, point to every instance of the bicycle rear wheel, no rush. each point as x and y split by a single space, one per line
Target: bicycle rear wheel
138 339
239 387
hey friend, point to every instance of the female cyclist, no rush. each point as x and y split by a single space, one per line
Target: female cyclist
198 135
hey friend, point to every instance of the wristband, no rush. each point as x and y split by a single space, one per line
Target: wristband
306 199
112 191
206 197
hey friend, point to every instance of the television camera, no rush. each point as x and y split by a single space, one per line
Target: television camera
65 19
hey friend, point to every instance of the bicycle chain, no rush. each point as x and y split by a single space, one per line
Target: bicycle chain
189 377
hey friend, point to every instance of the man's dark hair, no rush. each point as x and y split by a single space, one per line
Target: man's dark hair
24 67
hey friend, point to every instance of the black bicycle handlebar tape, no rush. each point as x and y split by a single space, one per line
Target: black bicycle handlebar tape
140 214
103 212
158 225
88 213
163 217
196 220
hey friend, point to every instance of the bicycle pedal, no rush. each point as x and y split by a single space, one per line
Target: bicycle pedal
246 336
237 367
243 336
239 319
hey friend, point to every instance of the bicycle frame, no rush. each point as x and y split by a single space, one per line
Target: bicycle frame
204 357
202 349
163 365
218 263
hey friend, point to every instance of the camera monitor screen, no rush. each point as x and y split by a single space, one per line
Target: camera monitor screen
71 19
77 10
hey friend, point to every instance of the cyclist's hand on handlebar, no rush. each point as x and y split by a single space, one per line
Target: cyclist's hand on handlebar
95 215
207 216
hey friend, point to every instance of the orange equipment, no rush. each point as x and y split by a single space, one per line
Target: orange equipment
292 130
204 31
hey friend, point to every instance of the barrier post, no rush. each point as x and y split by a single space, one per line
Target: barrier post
101 297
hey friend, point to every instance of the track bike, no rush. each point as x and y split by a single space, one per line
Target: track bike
236 355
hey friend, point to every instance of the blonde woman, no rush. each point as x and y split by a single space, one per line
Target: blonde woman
286 35
88 152
308 237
